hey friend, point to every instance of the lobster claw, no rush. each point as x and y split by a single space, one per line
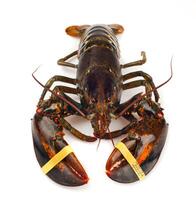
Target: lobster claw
146 150
68 171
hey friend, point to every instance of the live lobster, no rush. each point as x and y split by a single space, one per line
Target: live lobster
99 83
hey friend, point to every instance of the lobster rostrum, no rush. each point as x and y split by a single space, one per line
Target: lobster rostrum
99 83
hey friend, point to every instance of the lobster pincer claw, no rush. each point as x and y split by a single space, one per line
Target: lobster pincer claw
133 158
54 154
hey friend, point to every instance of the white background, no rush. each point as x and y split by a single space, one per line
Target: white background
32 33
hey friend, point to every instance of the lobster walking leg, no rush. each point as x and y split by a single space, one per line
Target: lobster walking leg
62 61
65 110
66 89
135 63
75 132
147 78
75 106
54 79
138 83
117 133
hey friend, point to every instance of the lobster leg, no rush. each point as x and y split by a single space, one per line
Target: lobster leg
66 89
122 106
54 99
117 133
58 78
48 142
65 110
138 83
135 63
62 61
128 116
148 79
144 142
75 132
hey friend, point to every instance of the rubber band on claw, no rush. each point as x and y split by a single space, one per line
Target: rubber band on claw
131 160
57 158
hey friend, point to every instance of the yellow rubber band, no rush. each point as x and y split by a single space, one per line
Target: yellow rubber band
57 158
131 160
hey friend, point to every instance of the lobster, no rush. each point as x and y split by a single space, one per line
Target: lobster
99 84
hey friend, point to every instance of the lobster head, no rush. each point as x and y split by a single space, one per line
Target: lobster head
100 96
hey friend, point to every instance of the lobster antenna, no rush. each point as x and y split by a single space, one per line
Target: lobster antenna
143 95
110 135
57 95
98 143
